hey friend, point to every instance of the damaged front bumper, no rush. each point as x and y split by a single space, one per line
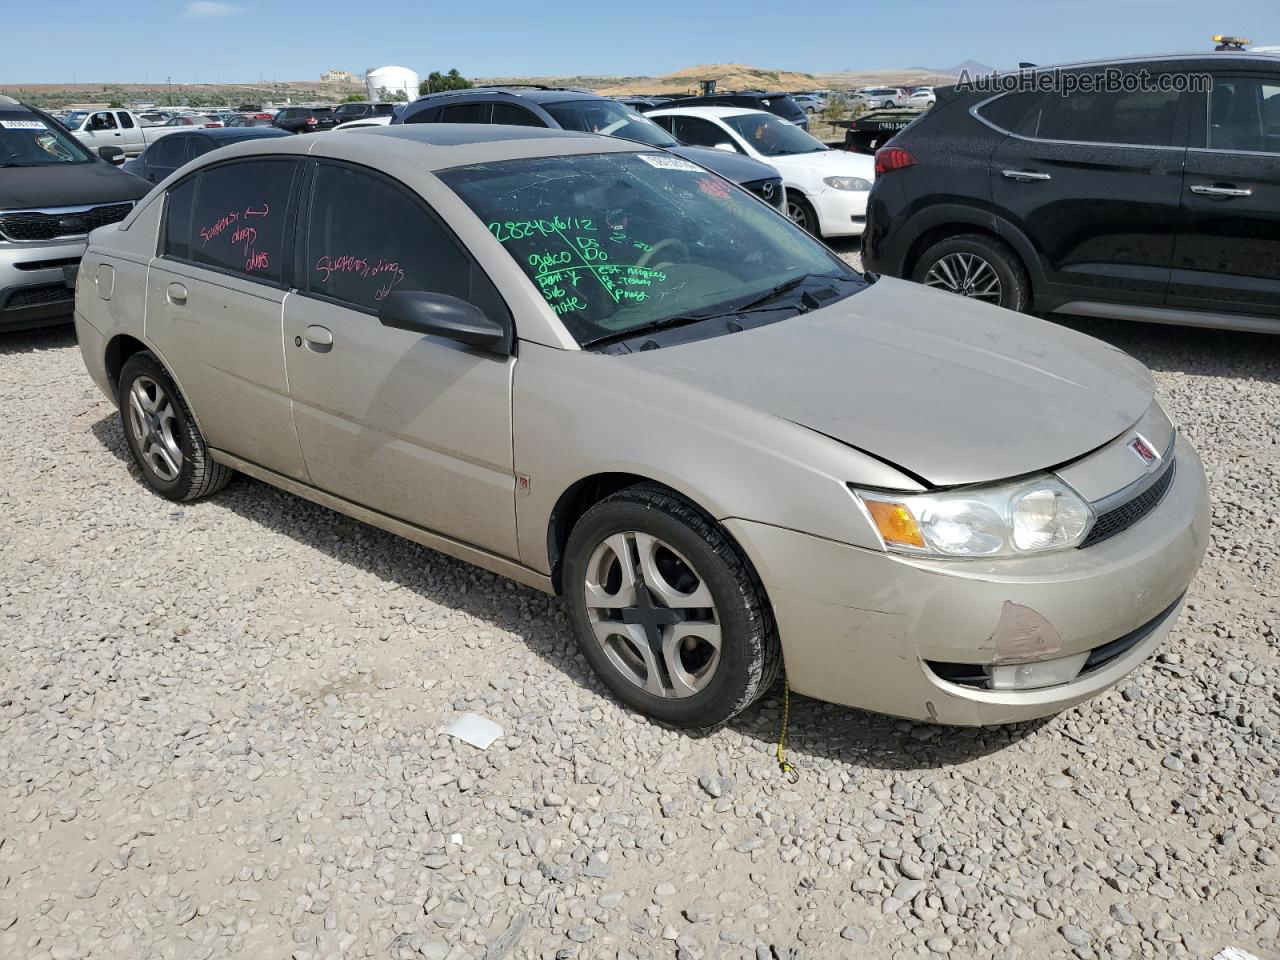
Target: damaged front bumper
980 642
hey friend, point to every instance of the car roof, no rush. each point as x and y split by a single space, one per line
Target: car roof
436 146
229 133
533 94
705 111
1208 59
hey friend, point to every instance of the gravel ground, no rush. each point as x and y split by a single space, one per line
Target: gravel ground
220 735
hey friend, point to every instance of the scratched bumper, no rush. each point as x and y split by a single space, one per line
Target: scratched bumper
861 627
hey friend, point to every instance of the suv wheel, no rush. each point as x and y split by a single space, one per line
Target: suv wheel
978 267
162 435
802 213
667 610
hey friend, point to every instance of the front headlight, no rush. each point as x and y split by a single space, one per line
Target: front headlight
1013 519
847 183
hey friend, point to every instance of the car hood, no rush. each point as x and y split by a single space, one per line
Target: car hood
67 185
830 163
731 166
951 390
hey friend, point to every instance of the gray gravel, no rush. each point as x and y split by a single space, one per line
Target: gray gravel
220 736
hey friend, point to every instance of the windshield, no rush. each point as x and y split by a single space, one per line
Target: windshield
617 243
771 136
74 119
26 140
610 118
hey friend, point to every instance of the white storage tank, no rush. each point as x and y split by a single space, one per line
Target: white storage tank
391 79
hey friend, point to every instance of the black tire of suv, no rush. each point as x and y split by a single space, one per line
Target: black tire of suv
199 476
750 651
1015 288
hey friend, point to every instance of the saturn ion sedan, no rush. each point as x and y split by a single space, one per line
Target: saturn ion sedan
607 373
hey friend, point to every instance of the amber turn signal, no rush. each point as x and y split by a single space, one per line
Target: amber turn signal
895 523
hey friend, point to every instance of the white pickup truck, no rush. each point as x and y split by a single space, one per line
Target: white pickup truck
114 128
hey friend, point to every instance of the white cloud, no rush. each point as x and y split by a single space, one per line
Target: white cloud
211 8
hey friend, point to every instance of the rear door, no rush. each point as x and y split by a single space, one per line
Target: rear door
214 305
131 134
1093 179
1227 254
415 427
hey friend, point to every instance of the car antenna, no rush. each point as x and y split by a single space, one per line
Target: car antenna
1024 65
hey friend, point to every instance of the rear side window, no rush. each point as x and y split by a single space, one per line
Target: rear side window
168 153
1139 118
236 220
1244 114
368 238
126 121
383 109
465 113
1007 112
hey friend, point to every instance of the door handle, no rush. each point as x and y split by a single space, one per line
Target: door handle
177 294
318 339
1024 175
1207 191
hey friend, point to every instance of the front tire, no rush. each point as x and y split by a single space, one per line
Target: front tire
668 611
163 437
975 266
801 213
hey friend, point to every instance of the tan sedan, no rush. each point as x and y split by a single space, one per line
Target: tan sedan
603 371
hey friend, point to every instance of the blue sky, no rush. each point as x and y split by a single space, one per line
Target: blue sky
241 40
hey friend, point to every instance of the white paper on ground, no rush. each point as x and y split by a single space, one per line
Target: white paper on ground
474 729
1234 953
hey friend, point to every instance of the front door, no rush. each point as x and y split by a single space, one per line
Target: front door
413 426
215 306
1093 179
1227 255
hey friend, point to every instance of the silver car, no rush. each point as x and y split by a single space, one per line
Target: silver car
607 373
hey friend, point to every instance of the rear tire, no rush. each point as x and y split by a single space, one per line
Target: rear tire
681 630
162 434
976 266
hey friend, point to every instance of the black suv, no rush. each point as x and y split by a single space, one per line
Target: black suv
776 103
1154 198
362 111
304 119
561 108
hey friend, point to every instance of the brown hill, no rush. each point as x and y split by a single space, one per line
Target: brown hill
728 76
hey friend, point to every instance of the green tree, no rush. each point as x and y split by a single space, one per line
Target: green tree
116 105
437 81
353 98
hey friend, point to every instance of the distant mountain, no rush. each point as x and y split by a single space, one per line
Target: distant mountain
972 66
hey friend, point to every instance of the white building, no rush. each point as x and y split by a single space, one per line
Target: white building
393 80
337 76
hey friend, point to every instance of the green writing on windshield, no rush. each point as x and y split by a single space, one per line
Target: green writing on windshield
577 251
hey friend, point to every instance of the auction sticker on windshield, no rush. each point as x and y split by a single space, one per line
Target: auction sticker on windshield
663 162
23 125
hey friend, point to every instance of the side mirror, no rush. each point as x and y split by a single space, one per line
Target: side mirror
112 155
726 147
440 315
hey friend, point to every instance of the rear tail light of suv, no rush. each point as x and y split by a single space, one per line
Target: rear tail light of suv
889 159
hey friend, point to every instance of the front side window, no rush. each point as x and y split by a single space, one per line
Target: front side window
367 238
618 243
168 153
511 115
27 140
103 121
697 132
772 137
610 119
231 217
1145 118
1244 114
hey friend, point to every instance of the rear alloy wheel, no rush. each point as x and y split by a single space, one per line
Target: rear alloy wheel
162 434
977 267
667 610
801 213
